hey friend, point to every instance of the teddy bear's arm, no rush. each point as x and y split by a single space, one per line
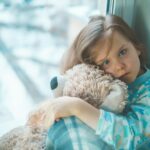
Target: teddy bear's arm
115 101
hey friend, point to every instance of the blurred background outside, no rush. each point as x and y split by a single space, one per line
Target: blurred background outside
33 36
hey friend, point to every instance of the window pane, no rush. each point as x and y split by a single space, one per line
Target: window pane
33 36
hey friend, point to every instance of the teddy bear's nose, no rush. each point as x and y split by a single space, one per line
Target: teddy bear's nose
53 83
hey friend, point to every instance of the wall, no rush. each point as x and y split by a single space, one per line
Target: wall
141 23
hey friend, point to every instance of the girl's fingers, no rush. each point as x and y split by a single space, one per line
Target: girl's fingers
57 119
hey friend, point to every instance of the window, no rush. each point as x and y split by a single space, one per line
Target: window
33 36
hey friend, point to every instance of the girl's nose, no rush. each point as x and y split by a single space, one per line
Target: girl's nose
119 67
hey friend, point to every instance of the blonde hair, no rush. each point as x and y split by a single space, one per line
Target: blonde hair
81 49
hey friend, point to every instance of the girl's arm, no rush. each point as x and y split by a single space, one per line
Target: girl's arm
87 113
73 106
65 106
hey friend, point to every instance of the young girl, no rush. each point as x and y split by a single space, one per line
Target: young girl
110 43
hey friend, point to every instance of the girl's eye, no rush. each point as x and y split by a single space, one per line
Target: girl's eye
106 62
122 52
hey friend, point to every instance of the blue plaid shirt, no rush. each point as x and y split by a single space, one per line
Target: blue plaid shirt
72 134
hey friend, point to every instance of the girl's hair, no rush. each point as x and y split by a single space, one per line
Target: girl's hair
81 49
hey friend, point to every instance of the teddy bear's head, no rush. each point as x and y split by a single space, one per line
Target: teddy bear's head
92 85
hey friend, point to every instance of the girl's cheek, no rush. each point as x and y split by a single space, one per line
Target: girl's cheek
107 70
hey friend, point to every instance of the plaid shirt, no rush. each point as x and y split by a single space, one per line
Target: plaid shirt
72 134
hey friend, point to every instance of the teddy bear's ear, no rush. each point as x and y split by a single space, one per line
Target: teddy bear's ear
57 84
53 83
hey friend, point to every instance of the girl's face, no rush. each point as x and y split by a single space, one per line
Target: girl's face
118 57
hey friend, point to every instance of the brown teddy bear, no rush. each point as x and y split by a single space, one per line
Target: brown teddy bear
93 85
87 82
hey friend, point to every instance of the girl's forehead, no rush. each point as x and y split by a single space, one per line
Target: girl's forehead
112 40
103 46
105 42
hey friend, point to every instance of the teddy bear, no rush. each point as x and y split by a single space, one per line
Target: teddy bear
83 80
93 85
87 82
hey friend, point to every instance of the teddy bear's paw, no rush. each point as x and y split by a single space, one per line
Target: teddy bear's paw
118 108
115 101
121 106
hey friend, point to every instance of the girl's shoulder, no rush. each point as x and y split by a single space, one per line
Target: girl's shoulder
140 88
141 81
146 79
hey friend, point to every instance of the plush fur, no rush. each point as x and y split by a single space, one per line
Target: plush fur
24 138
85 81
94 86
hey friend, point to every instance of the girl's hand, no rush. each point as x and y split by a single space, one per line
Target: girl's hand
65 106
52 110
36 117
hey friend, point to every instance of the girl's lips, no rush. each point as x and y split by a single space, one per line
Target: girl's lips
124 76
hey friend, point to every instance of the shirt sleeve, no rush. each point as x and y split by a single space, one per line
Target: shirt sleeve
125 131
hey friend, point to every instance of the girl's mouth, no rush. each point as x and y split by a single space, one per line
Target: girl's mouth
124 76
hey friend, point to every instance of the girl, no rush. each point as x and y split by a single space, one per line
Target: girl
110 43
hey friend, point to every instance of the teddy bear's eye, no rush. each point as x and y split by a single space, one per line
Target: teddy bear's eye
54 83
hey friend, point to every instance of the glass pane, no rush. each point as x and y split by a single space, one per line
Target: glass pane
33 36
